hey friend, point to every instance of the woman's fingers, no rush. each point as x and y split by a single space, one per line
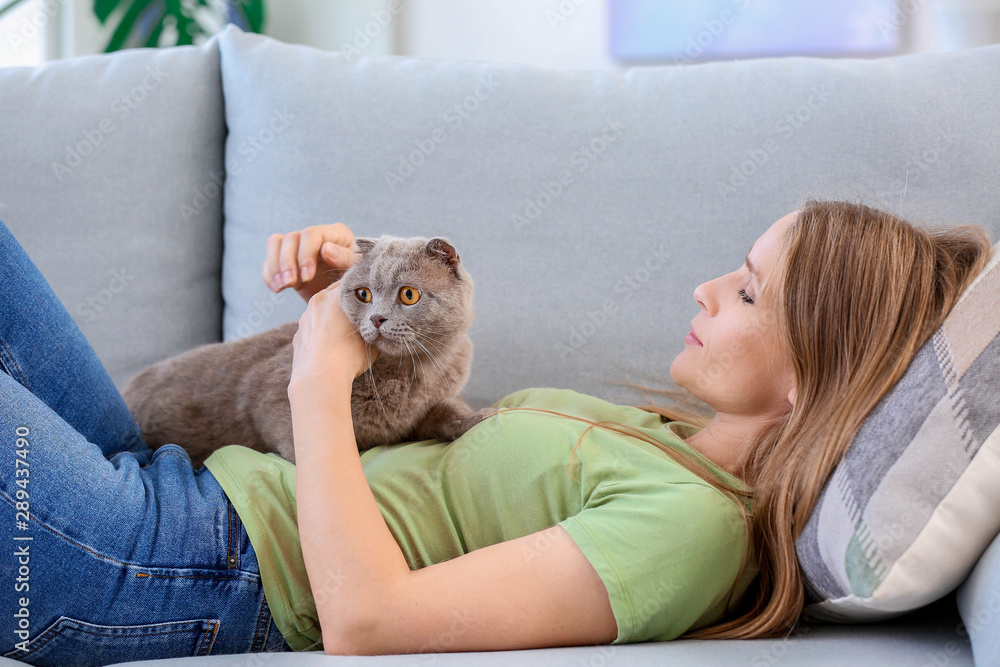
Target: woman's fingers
271 270
340 239
280 263
287 261
294 259
321 242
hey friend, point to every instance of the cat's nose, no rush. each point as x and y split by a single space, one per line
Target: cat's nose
377 320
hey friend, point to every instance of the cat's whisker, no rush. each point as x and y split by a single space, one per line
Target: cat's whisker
422 374
444 371
416 338
436 348
444 333
436 335
413 375
435 342
440 338
371 379
447 329
434 345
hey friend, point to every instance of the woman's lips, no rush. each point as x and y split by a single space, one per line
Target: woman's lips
691 339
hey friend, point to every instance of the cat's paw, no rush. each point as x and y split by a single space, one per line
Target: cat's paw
486 412
477 417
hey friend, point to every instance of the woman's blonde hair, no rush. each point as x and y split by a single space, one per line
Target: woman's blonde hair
855 294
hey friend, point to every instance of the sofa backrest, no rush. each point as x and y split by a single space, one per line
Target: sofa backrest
106 168
586 205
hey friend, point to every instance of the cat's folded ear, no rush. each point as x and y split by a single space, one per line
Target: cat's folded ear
364 245
444 252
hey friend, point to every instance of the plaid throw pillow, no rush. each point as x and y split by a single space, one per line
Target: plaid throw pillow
915 501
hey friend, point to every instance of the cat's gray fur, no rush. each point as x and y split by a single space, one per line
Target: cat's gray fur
236 392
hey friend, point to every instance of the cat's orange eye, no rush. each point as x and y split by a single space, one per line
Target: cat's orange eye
409 295
363 294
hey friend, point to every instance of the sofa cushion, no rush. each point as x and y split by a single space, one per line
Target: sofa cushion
107 163
915 500
926 638
587 205
979 606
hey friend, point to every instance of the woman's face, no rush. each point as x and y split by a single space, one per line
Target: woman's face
735 361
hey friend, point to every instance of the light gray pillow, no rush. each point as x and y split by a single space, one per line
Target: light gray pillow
915 501
107 164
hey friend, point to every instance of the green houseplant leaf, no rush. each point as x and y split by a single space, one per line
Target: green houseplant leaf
143 21
8 5
253 12
127 24
103 9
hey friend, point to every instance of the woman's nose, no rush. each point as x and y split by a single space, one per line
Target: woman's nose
704 295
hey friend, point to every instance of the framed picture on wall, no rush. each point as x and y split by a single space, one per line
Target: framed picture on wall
657 31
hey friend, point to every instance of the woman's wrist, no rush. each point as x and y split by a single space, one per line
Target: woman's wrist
320 407
328 386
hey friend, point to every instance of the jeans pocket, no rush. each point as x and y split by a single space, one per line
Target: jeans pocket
69 642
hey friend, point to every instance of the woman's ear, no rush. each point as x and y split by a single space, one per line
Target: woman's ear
791 395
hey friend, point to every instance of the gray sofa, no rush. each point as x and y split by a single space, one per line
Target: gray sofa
586 205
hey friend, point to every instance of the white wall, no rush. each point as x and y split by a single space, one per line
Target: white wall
23 36
564 34
573 34
366 25
325 24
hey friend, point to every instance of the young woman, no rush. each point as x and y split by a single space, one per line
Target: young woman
562 520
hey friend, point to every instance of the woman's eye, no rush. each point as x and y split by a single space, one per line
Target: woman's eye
409 295
744 297
363 294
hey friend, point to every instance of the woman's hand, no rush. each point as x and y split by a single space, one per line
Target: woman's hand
327 350
309 260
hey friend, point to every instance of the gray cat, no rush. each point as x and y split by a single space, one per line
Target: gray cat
411 298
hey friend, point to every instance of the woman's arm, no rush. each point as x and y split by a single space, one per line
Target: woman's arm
535 591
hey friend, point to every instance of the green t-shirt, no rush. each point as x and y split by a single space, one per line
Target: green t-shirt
666 544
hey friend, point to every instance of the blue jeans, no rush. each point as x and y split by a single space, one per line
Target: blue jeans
109 551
